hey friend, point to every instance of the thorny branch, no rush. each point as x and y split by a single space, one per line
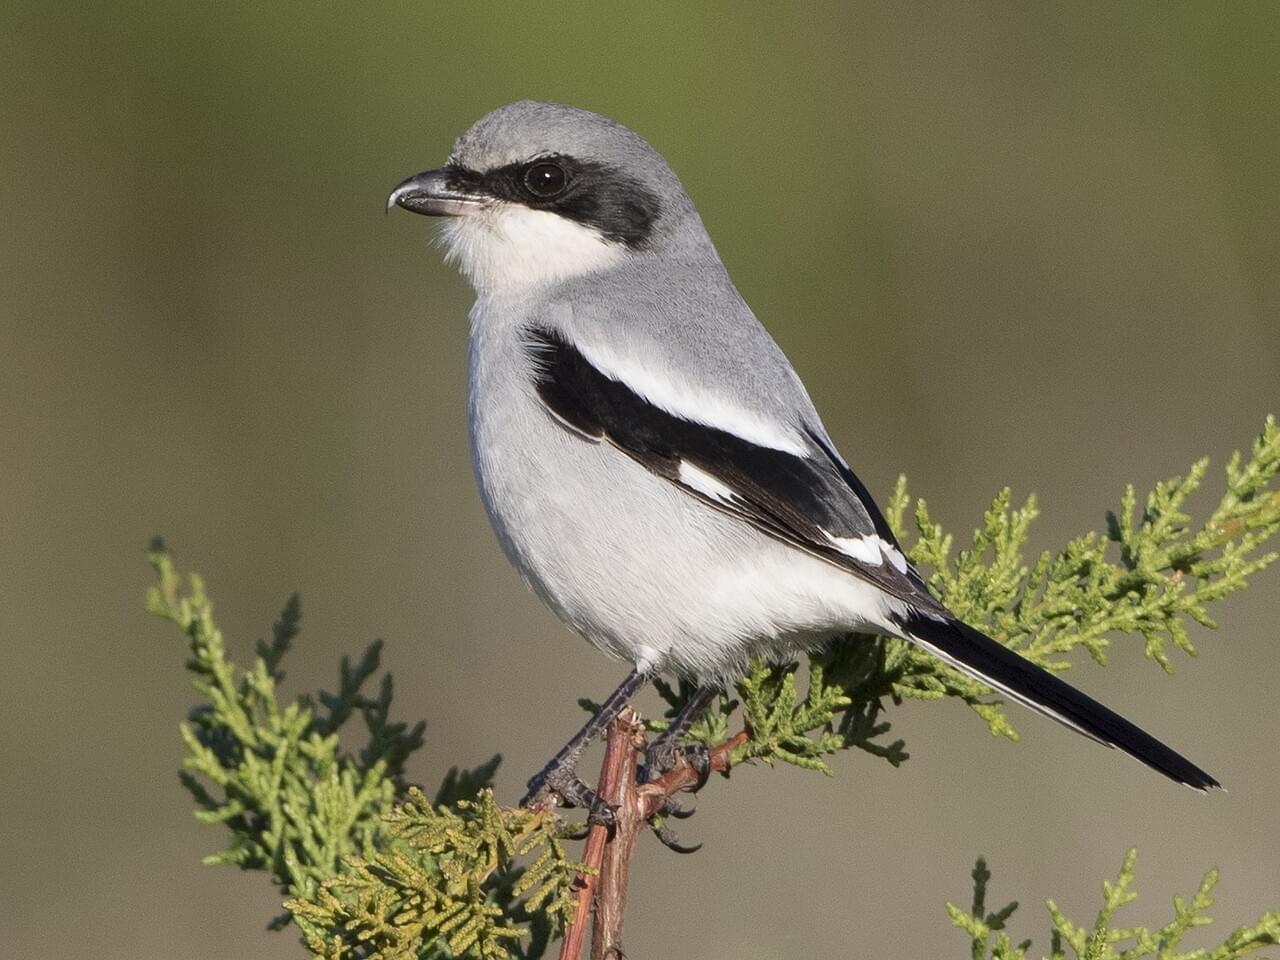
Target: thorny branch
608 852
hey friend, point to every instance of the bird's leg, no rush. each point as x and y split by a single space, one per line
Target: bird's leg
662 753
560 776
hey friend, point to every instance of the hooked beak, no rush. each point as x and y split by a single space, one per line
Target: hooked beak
436 193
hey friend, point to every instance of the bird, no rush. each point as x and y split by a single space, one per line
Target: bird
649 459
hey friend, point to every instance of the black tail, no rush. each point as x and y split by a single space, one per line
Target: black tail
999 667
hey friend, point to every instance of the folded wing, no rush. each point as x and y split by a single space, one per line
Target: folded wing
807 498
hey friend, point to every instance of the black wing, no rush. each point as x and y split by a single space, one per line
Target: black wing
813 502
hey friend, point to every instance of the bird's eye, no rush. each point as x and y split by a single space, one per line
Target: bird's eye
545 179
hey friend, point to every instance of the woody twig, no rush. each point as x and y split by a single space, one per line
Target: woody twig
609 850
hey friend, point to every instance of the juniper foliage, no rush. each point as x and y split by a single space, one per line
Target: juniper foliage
447 885
988 939
371 869
272 773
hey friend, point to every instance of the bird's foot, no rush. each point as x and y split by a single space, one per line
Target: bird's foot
664 755
558 784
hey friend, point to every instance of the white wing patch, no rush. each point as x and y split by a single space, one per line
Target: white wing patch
690 402
869 549
895 556
866 549
698 479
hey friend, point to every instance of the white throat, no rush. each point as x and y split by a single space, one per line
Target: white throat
508 246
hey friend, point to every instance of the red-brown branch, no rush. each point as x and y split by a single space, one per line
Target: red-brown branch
617 770
615 869
610 856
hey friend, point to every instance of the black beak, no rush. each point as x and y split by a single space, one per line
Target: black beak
436 193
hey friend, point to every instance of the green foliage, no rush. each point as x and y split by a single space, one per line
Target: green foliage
274 775
1102 941
446 886
373 870
333 829
1151 573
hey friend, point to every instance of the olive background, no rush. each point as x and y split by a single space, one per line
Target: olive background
1013 244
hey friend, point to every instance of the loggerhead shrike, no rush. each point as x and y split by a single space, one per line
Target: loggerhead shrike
650 461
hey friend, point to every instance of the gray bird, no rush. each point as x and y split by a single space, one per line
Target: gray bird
650 461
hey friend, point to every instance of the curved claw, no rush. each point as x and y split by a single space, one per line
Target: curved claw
699 757
667 837
669 808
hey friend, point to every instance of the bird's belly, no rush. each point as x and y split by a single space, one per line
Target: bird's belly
640 568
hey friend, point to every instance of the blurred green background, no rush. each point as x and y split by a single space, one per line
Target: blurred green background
1003 243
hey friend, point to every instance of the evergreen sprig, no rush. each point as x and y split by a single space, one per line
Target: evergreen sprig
273 774
1102 941
448 884
325 823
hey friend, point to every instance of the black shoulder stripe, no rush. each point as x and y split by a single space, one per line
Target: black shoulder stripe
599 406
797 499
595 404
567 386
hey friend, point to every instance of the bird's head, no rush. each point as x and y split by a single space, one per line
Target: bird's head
539 192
